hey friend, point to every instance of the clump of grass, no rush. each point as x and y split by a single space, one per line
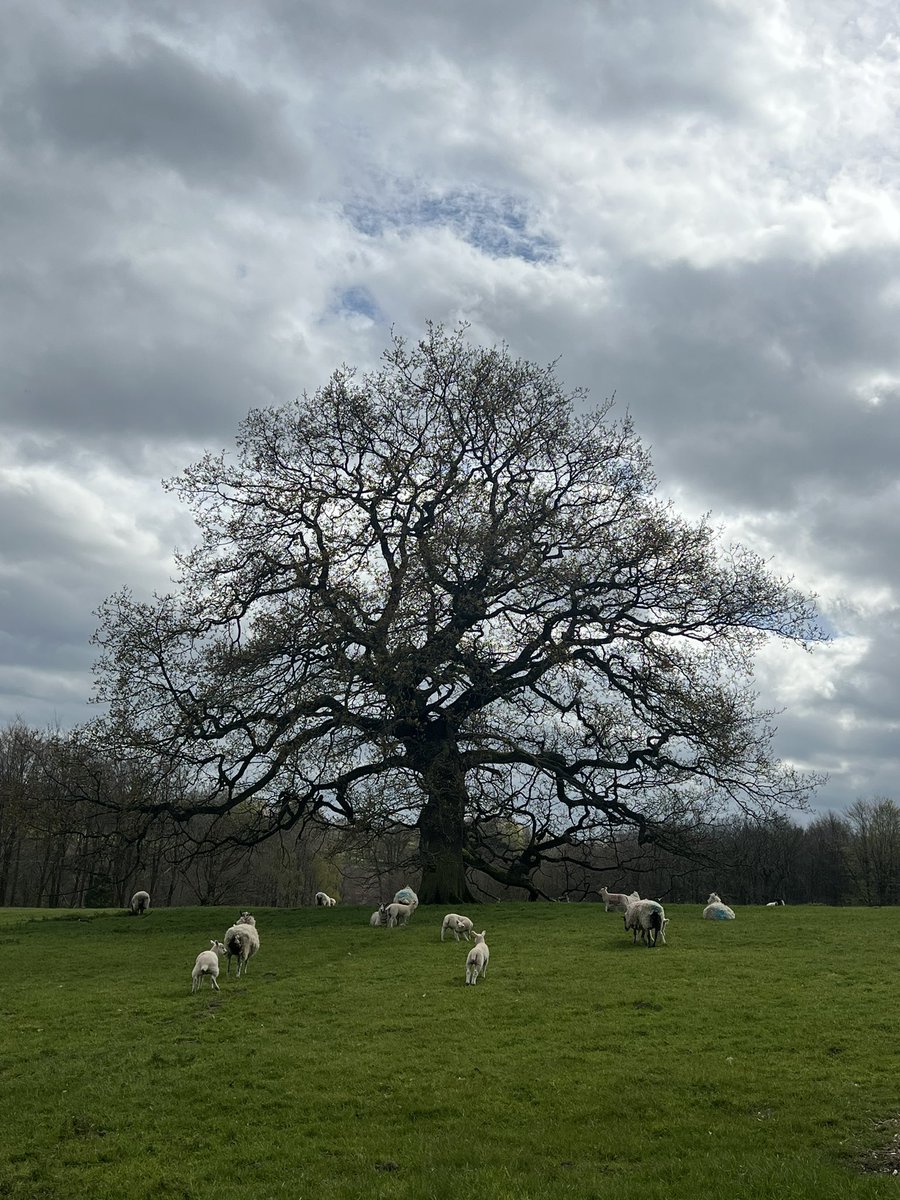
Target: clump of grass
744 1059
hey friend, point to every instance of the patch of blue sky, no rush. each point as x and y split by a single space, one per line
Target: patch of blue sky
498 224
359 302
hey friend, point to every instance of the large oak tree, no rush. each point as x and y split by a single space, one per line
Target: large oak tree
445 593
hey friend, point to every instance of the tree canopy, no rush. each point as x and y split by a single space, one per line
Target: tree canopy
444 593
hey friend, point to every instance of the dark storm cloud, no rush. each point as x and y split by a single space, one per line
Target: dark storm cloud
155 105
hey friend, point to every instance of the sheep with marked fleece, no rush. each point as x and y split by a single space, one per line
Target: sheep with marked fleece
717 911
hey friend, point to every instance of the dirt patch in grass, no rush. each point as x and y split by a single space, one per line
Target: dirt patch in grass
884 1158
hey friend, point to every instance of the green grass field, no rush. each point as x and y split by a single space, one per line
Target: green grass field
757 1058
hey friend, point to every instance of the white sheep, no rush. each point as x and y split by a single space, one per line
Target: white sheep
207 964
457 925
379 916
246 919
323 900
407 896
140 903
648 918
717 911
775 904
477 959
398 914
616 901
241 942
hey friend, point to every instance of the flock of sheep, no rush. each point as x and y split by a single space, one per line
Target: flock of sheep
241 941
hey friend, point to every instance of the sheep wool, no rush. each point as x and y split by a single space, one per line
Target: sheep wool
207 964
477 959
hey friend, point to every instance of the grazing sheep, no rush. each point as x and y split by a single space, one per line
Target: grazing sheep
457 925
379 917
323 900
241 942
477 959
207 964
717 911
616 901
407 896
648 918
398 914
140 903
246 919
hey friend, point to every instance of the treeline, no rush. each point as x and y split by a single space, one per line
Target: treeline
68 838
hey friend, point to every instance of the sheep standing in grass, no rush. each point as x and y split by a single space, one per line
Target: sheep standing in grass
379 917
648 918
616 901
207 964
407 896
246 919
323 900
717 911
457 925
140 904
241 942
477 959
398 914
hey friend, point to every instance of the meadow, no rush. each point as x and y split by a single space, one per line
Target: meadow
754 1058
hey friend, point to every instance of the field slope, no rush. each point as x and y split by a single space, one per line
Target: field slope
756 1058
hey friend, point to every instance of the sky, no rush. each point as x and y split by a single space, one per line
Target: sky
208 207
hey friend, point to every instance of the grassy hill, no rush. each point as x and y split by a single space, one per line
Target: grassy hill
754 1058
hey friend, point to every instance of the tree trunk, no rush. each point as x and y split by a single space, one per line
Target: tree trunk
442 830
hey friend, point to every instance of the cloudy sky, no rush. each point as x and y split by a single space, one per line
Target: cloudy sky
208 206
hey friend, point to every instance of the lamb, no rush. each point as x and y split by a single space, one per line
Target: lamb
246 919
379 917
241 942
407 896
616 901
649 918
717 911
140 903
775 904
323 900
398 914
207 964
477 959
457 924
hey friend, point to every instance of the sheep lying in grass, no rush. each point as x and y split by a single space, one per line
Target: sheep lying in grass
457 925
323 900
648 918
241 942
775 904
717 911
477 959
140 903
207 964
616 901
407 896
398 914
379 917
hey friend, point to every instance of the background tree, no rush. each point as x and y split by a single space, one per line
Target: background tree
441 595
